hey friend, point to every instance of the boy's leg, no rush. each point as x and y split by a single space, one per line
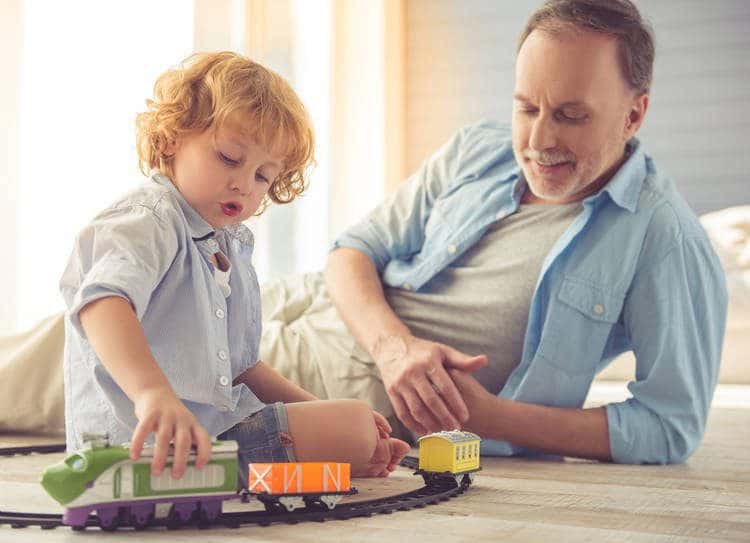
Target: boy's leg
262 437
342 431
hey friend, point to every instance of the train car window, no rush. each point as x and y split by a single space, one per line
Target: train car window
76 462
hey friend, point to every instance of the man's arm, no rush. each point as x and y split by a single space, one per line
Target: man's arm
413 370
555 430
674 315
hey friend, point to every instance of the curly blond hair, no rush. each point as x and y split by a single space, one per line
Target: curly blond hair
204 91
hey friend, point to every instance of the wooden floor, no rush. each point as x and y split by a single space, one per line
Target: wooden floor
707 499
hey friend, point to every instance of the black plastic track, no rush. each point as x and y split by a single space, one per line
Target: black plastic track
427 495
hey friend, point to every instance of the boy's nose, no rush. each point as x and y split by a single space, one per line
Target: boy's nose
240 187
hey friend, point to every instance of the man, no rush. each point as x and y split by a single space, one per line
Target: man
573 246
489 290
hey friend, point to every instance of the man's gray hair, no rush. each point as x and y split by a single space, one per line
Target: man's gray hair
617 18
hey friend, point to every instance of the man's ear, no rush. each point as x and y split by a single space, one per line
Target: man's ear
635 117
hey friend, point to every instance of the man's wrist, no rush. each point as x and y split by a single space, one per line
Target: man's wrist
388 347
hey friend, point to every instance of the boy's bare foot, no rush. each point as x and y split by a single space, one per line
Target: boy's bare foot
388 453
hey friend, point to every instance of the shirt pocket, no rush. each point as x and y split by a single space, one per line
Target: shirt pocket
578 326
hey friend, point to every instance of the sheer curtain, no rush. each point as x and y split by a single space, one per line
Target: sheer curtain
345 59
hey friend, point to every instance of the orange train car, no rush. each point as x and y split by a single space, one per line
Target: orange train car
290 485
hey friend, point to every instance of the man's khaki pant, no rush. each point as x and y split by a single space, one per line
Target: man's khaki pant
303 339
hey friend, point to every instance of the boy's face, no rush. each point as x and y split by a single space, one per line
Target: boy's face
223 173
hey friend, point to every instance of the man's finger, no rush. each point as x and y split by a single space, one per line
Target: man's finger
457 359
403 414
420 412
432 399
451 395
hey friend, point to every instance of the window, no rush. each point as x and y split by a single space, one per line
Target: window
87 68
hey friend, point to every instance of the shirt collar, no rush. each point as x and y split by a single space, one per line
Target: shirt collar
199 228
625 186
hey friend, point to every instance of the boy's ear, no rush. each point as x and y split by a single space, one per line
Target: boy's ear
171 148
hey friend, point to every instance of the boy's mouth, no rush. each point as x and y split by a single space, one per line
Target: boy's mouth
231 209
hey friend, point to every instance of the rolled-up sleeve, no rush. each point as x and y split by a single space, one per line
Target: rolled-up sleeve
675 315
124 252
396 228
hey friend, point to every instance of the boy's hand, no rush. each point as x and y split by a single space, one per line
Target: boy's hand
384 429
160 411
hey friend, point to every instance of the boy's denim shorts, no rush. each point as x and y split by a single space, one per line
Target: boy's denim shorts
261 437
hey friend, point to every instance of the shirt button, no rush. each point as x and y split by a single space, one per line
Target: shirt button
223 380
598 309
451 249
220 313
407 286
222 354
223 408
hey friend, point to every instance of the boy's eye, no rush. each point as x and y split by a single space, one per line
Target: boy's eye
228 160
260 177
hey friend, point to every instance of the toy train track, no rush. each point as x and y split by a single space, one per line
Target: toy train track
436 492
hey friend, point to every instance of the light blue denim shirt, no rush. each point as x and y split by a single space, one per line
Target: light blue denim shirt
634 272
153 249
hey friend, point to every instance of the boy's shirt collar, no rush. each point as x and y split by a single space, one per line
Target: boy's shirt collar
199 228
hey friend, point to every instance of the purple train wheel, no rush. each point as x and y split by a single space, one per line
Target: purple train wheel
210 510
180 513
141 515
109 518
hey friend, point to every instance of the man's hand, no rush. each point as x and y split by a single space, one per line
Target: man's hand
160 411
422 393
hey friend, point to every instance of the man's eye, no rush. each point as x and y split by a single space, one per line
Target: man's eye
228 160
572 117
262 178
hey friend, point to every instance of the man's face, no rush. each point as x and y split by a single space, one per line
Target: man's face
572 114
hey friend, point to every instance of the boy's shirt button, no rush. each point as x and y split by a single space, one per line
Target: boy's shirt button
223 380
222 354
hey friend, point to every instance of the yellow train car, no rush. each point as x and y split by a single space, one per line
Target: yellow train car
453 454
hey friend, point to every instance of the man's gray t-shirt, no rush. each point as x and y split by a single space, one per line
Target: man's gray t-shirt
480 303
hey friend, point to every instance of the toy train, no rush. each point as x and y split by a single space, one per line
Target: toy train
102 478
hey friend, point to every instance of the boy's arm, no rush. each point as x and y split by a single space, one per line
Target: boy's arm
117 337
270 386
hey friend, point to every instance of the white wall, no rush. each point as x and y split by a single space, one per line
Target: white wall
460 69
11 39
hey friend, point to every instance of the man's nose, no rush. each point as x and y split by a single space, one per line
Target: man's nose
543 134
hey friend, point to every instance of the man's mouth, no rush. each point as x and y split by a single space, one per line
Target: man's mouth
552 168
231 209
